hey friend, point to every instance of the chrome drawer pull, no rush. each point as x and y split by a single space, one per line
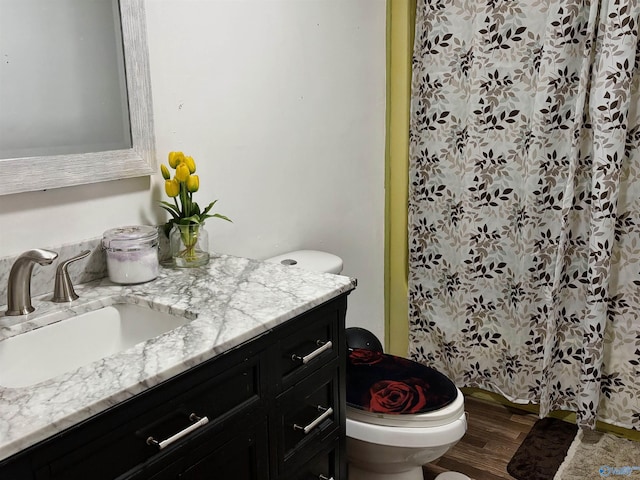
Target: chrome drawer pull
322 477
326 413
314 354
168 441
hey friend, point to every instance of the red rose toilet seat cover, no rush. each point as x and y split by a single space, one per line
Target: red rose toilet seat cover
381 383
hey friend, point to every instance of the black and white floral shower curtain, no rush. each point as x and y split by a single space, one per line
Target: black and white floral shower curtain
524 208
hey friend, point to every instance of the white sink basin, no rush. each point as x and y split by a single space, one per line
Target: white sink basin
41 354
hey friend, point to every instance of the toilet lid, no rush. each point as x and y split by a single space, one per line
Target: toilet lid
385 384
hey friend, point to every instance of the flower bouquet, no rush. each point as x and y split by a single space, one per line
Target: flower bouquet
187 236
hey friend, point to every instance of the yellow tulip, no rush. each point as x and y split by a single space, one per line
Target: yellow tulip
193 183
189 162
172 187
175 158
182 172
165 172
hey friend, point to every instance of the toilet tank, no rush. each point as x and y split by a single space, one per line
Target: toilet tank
310 260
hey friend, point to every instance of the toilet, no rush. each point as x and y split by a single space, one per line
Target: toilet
400 414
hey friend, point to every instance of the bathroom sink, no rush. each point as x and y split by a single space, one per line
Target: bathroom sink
41 354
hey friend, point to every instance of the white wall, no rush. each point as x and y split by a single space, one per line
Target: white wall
282 105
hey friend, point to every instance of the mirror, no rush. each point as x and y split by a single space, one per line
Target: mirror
125 149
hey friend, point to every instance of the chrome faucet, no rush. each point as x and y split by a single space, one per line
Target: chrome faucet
19 287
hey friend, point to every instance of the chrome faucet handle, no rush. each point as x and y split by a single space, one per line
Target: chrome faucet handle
63 290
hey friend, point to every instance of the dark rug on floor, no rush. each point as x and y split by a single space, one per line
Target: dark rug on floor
543 450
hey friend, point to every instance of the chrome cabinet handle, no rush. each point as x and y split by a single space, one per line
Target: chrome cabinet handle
324 346
322 477
177 436
326 413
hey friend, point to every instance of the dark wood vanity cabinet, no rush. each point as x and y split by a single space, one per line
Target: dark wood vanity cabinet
272 408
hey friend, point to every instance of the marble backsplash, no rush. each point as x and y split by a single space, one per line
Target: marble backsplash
84 270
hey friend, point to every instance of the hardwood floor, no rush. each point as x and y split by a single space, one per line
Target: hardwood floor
494 433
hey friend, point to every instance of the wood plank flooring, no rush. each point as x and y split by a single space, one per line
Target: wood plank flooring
494 433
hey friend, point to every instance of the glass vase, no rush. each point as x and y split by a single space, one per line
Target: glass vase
189 245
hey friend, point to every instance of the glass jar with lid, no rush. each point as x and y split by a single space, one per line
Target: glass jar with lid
131 253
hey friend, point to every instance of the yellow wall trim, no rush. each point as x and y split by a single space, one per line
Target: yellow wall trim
400 31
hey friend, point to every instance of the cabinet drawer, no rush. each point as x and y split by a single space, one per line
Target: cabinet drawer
241 457
324 466
306 349
307 414
237 451
147 430
203 405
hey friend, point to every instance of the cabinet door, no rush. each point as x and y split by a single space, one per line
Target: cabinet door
17 471
244 457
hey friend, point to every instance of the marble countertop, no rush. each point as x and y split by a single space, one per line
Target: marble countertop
230 301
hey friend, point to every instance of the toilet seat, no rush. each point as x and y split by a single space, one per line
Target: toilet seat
395 401
436 418
425 436
392 390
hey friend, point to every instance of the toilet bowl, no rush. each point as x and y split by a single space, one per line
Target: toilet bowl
402 451
400 414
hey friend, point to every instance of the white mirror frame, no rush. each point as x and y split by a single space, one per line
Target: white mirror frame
41 173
